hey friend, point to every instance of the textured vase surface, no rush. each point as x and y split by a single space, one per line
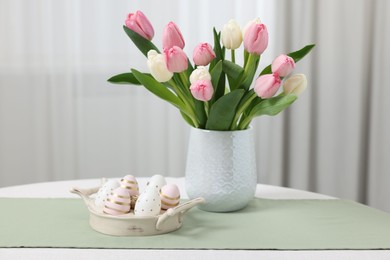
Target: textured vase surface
221 168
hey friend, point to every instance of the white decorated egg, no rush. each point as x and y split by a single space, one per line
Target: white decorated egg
156 182
105 191
130 182
118 202
148 203
170 196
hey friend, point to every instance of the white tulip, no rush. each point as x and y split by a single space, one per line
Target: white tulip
158 67
295 85
231 35
200 73
257 20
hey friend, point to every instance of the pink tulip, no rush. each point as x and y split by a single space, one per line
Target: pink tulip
256 38
267 85
202 90
172 36
140 24
283 65
203 54
176 59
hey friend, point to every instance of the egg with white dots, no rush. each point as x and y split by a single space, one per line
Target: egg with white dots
105 191
130 182
170 196
118 203
148 203
156 182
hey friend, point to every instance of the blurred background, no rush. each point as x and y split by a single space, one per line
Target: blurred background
60 119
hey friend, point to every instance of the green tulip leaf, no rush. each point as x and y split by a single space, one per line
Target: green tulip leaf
248 95
124 78
216 74
296 55
218 50
272 106
190 69
217 45
200 112
220 90
223 111
246 56
144 45
218 82
158 89
187 118
250 70
234 73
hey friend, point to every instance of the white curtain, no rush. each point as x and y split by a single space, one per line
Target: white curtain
60 119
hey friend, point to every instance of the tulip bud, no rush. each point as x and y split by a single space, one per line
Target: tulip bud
200 73
158 67
257 20
256 39
172 36
202 90
267 85
296 84
283 65
176 59
140 24
231 35
203 54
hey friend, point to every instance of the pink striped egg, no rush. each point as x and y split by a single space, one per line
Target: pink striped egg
130 182
118 202
170 196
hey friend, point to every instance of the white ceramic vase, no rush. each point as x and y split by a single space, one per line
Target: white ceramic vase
221 168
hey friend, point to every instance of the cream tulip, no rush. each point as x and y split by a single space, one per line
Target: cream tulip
200 73
295 85
158 67
231 35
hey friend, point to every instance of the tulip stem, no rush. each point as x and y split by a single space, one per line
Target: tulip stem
241 110
246 56
233 54
249 62
244 123
184 79
207 108
190 111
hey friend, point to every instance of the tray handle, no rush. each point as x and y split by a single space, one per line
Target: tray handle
181 210
85 193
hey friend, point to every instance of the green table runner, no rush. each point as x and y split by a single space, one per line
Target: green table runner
264 224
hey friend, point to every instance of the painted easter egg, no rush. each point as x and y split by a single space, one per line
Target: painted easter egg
170 196
148 203
130 182
118 202
105 191
156 182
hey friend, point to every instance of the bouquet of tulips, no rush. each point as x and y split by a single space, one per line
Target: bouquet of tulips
214 93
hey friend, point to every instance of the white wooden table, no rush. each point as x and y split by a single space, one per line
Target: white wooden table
60 189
